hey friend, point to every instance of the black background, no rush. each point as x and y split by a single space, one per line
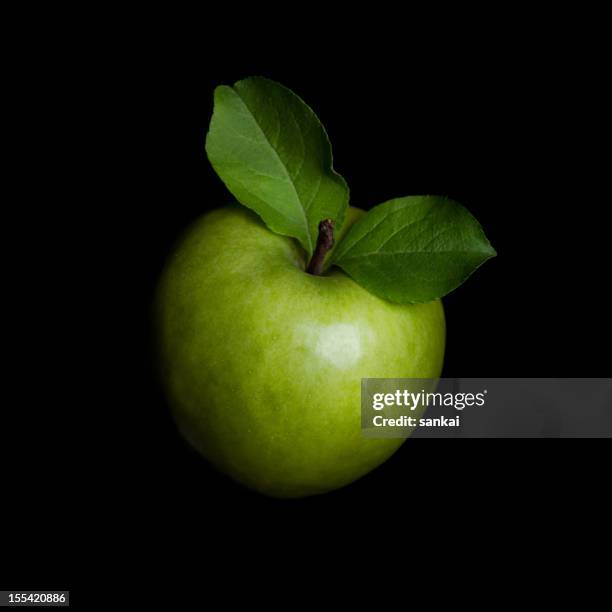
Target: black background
513 134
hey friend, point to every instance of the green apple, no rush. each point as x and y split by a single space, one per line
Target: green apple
262 362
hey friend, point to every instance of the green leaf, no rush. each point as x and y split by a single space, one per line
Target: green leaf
413 249
273 154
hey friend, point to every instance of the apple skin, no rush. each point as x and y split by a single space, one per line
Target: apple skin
262 362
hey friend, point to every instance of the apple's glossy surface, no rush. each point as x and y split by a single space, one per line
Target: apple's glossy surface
262 362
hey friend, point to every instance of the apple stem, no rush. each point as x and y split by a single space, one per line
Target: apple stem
325 241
